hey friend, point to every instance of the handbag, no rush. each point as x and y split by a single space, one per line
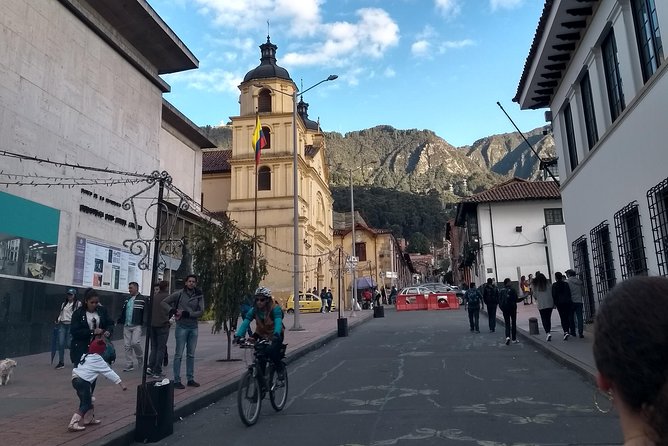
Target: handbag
109 354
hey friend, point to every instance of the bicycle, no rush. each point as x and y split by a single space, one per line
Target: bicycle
254 384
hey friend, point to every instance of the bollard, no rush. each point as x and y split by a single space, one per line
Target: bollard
378 311
342 327
533 326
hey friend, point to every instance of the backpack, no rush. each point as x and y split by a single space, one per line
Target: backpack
505 301
473 298
489 294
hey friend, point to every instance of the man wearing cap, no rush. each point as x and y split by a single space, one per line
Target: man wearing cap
133 317
63 321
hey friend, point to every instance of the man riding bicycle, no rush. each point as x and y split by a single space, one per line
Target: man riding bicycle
269 326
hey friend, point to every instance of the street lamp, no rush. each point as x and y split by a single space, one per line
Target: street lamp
295 202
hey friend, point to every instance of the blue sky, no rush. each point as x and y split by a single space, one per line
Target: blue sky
425 64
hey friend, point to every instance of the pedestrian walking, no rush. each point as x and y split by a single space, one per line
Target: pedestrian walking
524 289
561 295
393 295
576 286
132 318
323 300
330 298
159 331
630 345
543 294
187 306
84 375
530 280
63 322
490 296
508 300
474 301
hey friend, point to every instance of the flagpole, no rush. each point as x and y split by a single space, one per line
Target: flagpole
255 207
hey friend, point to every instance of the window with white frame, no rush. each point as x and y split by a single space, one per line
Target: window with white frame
648 36
570 136
613 77
588 110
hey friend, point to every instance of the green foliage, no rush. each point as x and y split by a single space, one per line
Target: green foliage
418 243
402 212
227 271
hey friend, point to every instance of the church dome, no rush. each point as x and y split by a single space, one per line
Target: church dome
267 67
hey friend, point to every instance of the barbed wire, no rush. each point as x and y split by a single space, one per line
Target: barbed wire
72 183
22 157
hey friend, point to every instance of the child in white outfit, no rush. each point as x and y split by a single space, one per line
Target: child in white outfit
84 374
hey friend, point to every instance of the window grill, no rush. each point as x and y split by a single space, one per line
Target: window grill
657 200
554 216
264 101
604 266
581 266
630 242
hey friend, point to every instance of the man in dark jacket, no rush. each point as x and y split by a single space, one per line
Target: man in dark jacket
561 295
473 300
490 295
187 305
159 331
132 318
508 303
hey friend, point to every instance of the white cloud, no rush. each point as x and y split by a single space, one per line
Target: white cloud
372 35
455 45
389 72
504 4
420 48
449 8
215 80
303 16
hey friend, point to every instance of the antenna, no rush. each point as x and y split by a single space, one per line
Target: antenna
268 30
528 143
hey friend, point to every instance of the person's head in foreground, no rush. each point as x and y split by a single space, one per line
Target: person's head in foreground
631 354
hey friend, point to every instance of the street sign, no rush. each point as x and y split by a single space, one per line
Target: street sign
351 263
391 275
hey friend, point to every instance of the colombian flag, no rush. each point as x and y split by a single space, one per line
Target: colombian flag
258 139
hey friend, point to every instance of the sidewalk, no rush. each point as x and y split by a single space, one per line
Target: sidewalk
38 403
575 353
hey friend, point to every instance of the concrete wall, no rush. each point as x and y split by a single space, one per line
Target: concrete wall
66 95
630 156
517 253
182 160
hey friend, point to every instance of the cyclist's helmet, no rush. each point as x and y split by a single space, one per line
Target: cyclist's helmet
263 291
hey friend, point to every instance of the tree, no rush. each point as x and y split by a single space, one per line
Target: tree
227 271
418 243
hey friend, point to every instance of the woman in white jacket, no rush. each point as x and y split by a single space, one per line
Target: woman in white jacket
84 374
542 293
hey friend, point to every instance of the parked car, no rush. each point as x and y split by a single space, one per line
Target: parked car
410 293
308 303
442 288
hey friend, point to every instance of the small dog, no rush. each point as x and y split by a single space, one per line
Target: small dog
6 369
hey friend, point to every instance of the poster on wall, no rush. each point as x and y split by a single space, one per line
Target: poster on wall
100 265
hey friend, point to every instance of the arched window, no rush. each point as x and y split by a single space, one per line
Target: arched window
267 137
264 178
264 101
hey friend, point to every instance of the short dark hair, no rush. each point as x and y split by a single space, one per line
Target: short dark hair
163 285
89 294
191 275
506 281
134 283
472 285
570 273
490 281
558 275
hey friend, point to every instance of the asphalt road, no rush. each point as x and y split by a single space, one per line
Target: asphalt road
417 378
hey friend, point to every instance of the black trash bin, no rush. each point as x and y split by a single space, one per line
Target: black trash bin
379 311
342 326
155 412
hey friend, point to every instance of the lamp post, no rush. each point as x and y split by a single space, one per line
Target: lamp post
295 202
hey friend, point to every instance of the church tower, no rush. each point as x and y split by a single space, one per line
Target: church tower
268 91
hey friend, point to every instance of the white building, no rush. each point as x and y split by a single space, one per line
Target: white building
599 66
512 230
80 85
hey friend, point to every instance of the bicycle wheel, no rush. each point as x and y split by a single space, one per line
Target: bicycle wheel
249 400
278 387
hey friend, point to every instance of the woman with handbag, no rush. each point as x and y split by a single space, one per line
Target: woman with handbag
89 322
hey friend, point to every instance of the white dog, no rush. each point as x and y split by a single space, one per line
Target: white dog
6 370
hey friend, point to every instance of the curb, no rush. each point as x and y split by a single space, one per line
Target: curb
125 435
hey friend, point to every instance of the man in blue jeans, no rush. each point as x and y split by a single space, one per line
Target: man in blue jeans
473 300
186 305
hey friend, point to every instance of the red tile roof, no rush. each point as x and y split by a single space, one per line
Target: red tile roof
216 161
517 190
